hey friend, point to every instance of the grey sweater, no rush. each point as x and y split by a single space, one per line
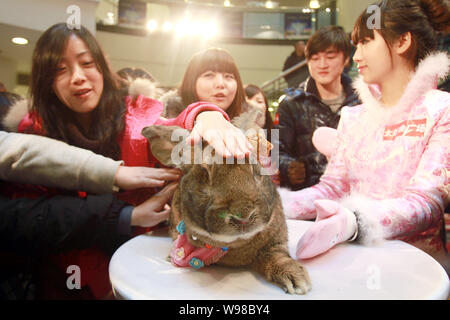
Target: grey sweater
39 160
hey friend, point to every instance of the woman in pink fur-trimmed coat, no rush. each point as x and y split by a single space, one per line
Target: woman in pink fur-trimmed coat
388 173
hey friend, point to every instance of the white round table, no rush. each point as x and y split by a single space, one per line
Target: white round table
391 270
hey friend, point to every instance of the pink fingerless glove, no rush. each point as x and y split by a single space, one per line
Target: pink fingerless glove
334 224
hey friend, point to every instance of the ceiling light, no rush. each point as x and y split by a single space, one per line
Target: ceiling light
227 3
328 10
167 26
109 18
19 40
269 4
314 4
152 25
194 28
182 27
209 30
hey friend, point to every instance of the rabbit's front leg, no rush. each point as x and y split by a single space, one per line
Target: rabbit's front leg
277 266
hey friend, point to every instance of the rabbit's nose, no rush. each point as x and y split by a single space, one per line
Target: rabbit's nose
239 220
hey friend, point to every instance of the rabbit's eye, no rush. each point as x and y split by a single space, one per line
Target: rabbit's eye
223 214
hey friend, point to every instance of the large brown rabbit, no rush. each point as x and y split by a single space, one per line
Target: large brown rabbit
232 206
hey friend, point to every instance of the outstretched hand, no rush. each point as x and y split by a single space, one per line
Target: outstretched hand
225 138
155 210
130 178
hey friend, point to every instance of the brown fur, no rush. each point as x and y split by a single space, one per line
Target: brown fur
218 198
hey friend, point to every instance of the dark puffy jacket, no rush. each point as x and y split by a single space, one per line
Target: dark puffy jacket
32 229
300 114
37 227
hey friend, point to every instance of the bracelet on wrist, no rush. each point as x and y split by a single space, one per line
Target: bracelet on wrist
355 236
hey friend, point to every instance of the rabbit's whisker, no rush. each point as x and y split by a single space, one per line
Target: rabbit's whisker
226 238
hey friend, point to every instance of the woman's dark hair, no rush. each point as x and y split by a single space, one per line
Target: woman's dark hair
326 37
423 18
217 60
250 91
54 116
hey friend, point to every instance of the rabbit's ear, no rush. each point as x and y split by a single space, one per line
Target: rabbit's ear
248 120
162 141
256 171
259 142
210 171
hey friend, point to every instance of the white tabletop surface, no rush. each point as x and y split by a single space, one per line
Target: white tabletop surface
392 270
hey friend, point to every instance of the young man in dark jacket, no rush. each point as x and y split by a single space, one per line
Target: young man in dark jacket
316 103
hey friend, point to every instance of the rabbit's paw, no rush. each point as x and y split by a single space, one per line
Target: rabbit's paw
291 276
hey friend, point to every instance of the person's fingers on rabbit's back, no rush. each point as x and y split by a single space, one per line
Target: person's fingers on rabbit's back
154 210
168 191
166 174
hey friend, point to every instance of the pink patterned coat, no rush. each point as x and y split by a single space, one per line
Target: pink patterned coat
390 165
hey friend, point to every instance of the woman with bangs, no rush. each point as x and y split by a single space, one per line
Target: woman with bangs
213 77
387 176
210 77
76 98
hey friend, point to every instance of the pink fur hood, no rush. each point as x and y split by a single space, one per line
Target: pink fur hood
425 78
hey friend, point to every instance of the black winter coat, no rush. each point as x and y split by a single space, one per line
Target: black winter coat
300 114
37 227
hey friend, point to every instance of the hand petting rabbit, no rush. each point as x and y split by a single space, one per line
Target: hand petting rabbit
228 213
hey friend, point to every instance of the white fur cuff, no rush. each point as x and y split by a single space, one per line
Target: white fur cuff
370 230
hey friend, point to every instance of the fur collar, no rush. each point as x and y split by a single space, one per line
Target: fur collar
172 103
424 79
15 114
141 86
